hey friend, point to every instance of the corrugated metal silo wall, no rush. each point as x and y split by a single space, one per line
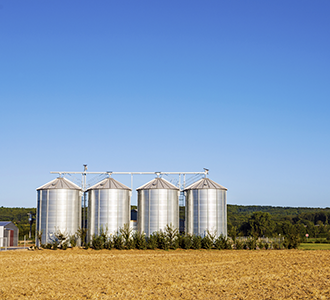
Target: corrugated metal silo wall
206 209
58 210
156 209
108 209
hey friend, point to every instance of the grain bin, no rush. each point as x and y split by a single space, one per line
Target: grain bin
108 206
158 206
58 209
206 208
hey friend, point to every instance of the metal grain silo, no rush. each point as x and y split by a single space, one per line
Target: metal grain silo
58 208
109 206
206 208
158 206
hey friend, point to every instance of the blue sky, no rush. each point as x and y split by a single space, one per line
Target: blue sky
239 87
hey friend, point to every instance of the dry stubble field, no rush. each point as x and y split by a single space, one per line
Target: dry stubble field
180 274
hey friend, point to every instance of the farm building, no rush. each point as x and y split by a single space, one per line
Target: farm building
8 234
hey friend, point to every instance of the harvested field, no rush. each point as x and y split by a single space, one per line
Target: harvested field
192 274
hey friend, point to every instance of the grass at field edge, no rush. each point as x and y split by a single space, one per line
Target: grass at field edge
309 246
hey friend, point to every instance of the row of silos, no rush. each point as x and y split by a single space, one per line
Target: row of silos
59 207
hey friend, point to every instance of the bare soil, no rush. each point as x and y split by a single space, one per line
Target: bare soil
180 274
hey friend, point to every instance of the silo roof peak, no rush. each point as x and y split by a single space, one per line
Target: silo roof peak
205 183
60 183
158 183
109 183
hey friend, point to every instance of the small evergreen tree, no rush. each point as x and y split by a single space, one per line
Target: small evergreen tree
171 236
82 233
222 243
118 242
126 233
186 241
97 242
196 242
162 240
140 240
152 241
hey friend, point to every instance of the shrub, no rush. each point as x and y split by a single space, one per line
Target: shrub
130 244
97 242
64 245
108 244
276 246
118 242
140 240
261 245
73 240
239 245
81 233
172 236
267 246
162 241
48 246
196 242
219 244
55 245
103 236
222 243
207 242
126 233
60 238
186 241
251 243
176 242
291 242
152 241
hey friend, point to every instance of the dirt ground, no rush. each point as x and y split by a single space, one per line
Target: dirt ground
179 274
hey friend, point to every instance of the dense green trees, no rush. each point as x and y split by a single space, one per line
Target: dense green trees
279 221
260 224
254 221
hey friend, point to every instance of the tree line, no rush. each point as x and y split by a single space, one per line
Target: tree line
268 221
279 221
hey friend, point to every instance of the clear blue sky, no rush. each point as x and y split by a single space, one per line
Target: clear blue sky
239 87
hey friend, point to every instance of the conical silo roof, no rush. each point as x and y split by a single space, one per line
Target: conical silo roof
158 183
109 183
205 183
59 183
